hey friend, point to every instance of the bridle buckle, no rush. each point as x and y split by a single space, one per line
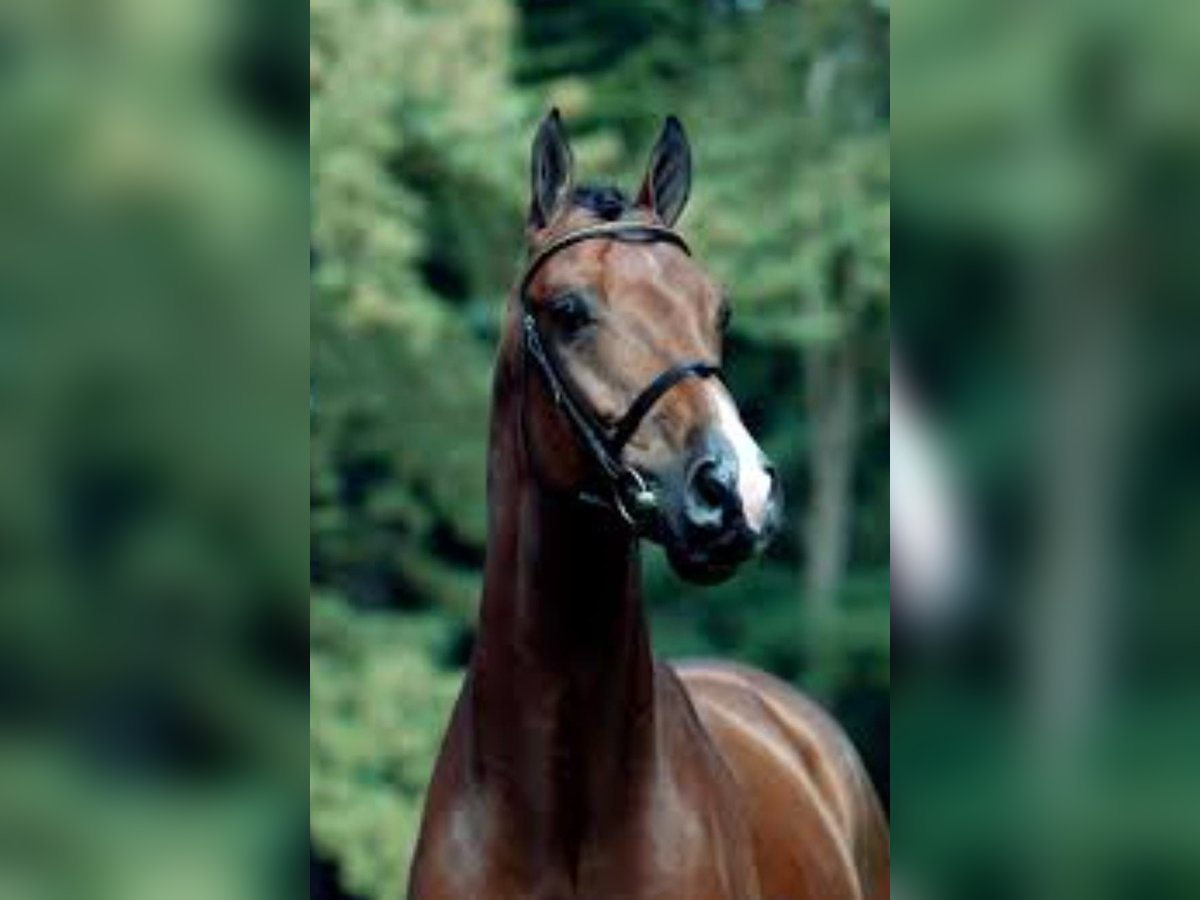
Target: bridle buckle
633 498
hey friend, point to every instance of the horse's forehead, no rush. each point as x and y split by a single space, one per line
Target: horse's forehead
658 268
627 266
654 273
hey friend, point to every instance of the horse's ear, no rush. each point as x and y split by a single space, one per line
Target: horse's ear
551 171
668 179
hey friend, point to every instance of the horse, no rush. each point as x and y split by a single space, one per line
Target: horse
575 765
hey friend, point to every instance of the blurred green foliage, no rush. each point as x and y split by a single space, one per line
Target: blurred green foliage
379 705
421 118
153 359
1046 223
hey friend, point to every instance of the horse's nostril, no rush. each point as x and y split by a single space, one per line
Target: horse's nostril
711 495
708 483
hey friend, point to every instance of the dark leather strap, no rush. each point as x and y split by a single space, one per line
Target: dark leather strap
586 425
621 231
645 401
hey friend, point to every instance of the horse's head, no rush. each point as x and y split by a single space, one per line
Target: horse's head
626 329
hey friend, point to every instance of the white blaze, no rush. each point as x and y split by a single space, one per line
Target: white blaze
754 482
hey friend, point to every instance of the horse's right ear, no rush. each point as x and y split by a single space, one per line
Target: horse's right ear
551 171
668 179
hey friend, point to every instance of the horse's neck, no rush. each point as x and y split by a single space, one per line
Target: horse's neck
562 680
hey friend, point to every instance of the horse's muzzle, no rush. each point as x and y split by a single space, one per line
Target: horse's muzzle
706 532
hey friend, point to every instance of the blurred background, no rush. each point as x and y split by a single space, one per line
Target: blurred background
157 377
153 450
1045 431
422 115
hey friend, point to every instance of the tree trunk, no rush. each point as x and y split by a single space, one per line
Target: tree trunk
1079 329
833 408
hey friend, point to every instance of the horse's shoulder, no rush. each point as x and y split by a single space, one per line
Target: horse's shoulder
754 697
790 757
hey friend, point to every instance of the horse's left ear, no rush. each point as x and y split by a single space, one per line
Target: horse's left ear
668 179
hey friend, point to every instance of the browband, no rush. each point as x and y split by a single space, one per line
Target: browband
621 231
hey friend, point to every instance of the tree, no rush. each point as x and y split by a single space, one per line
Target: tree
410 186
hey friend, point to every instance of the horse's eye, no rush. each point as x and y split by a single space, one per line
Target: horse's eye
724 314
571 313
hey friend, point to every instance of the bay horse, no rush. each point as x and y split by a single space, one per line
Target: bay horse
575 765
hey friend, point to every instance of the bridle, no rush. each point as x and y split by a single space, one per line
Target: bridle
626 492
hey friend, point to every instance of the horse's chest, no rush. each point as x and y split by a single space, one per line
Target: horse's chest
673 850
666 853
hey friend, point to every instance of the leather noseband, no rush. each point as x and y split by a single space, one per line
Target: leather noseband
629 495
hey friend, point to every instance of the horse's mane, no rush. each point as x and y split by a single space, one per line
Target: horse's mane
605 200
